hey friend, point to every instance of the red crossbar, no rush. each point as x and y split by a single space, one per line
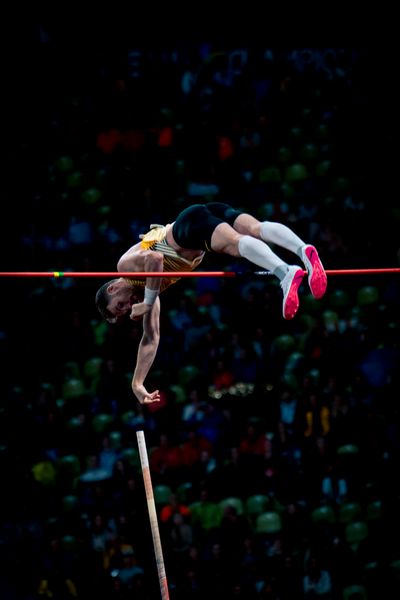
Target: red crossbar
140 274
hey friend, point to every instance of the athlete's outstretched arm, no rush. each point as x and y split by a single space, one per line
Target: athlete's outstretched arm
146 354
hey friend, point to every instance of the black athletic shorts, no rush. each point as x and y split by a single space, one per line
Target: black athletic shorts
195 225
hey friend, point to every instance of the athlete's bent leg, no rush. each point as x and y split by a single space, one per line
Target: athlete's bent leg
283 236
226 240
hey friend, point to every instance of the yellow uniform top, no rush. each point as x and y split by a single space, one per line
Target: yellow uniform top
155 240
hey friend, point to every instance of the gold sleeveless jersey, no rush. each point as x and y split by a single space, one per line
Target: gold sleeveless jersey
155 240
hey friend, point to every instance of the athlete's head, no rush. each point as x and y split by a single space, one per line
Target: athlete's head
115 299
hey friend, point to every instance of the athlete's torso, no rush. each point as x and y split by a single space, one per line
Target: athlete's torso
156 240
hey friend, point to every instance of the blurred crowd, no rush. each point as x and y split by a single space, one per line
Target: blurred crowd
274 452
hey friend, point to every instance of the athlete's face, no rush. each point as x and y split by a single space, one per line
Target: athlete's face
122 297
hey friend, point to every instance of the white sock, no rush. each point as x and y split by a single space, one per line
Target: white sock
282 236
260 254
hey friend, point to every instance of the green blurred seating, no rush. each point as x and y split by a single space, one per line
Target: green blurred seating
187 373
91 195
69 503
73 388
394 570
339 298
205 514
331 319
284 343
268 522
128 418
162 494
270 175
322 132
60 403
323 513
310 304
64 163
74 180
69 465
349 511
308 151
354 592
92 367
69 542
131 456
232 501
284 154
296 172
290 380
296 133
100 331
367 295
256 504
183 492
179 392
287 190
44 472
355 533
75 423
293 360
339 185
99 177
348 449
314 375
373 510
72 370
306 113
115 439
323 168
102 422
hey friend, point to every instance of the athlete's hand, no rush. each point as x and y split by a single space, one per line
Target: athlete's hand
138 310
144 396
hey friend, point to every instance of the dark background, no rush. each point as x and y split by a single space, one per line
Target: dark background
101 139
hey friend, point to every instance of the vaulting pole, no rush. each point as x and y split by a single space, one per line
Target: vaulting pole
162 577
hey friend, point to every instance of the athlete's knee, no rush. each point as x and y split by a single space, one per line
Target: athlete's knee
225 240
247 225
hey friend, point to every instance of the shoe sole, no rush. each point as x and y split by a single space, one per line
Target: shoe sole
317 279
291 300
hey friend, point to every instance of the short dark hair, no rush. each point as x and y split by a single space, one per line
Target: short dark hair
103 298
